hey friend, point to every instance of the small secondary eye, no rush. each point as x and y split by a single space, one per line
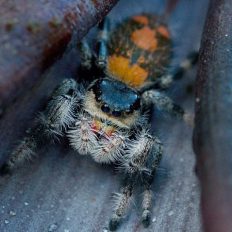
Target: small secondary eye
97 92
96 89
129 111
116 113
105 109
70 92
136 105
98 99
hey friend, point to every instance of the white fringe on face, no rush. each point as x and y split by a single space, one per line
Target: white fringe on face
81 137
109 149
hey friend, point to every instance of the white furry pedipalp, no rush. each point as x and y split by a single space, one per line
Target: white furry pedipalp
81 136
62 111
109 148
138 150
58 116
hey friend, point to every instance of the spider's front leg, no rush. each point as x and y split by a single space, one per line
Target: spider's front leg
86 55
179 72
167 80
122 202
100 58
139 166
101 46
59 113
165 103
152 164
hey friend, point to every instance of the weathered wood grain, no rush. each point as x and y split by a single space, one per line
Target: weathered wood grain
34 33
213 133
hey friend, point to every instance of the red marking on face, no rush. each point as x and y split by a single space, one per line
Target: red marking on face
164 31
145 38
99 127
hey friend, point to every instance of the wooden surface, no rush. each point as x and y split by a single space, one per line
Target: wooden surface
34 33
213 132
63 192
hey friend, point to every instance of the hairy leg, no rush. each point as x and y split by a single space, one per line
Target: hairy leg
165 81
81 136
59 113
134 161
109 148
86 55
24 151
122 203
152 163
141 162
101 45
179 71
165 103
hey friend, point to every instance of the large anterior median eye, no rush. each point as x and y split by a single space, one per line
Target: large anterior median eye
116 113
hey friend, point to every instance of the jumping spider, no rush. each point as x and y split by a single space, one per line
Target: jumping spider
108 116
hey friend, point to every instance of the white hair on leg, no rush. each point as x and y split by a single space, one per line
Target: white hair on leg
81 136
110 148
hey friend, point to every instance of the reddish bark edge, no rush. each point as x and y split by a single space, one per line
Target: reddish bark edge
34 33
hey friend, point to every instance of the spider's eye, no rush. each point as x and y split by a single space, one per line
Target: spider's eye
116 113
96 89
98 99
115 98
129 111
105 109
136 104
70 92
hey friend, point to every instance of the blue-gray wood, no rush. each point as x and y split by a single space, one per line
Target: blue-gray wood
213 131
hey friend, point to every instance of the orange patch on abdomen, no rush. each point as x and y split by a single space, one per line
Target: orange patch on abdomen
145 38
141 19
120 68
164 31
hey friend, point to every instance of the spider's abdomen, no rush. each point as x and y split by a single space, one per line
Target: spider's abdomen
139 50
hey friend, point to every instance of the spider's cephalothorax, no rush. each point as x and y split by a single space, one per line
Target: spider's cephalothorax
113 100
107 118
